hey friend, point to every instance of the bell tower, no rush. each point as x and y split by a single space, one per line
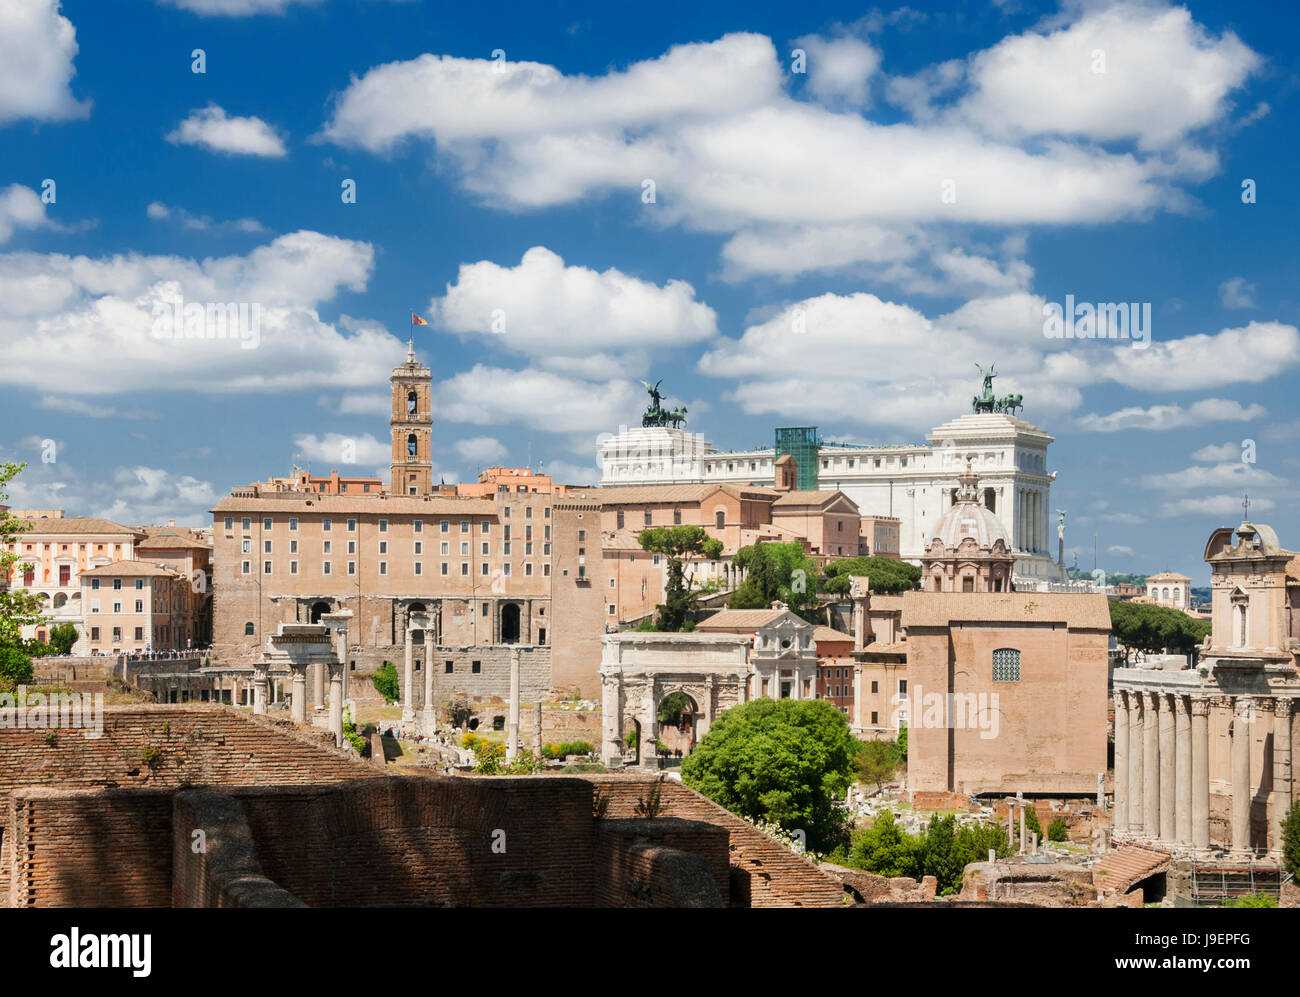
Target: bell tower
412 425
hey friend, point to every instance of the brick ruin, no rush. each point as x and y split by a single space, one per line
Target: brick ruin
205 806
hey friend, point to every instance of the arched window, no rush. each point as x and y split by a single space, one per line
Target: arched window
248 629
410 445
720 519
1166 592
411 403
1176 595
1006 665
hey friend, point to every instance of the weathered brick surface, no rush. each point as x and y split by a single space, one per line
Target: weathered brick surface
90 848
764 872
661 862
220 867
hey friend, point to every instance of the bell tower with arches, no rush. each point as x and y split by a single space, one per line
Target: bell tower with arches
412 426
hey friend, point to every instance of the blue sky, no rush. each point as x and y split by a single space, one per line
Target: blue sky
833 241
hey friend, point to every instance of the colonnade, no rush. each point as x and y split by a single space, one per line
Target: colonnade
1162 765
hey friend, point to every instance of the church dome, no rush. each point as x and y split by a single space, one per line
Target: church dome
969 518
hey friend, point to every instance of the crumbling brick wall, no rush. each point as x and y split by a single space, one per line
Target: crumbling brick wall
764 872
661 862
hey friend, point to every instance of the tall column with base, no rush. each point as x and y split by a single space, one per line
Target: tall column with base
429 712
1243 721
1119 815
338 624
1167 759
1281 769
512 724
317 685
1151 765
1136 748
336 701
649 743
408 678
1200 772
1183 770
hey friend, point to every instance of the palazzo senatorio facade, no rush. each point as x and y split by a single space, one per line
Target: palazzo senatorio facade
1203 755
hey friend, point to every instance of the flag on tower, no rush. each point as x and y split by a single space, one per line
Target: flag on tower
416 320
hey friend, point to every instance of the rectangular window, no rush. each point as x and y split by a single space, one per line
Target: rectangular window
505 569
325 525
483 569
383 546
65 574
464 526
352 567
325 547
444 548
450 667
464 570
230 523
139 605
485 525
419 547
528 569
94 632
94 584
383 526
293 546
248 567
444 526
1006 665
476 667
485 549
117 583
117 607
139 633
266 567
528 512
325 567
293 524
444 567
266 524
293 567
464 548
418 526
546 570
352 525
419 568
266 546
383 567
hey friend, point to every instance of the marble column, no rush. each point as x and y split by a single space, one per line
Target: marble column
512 723
1167 760
298 701
649 727
317 685
1242 721
1281 768
1136 747
408 679
1119 814
336 701
260 683
428 712
1183 770
1151 765
1201 773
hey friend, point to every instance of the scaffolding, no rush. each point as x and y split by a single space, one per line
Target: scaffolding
801 443
1215 882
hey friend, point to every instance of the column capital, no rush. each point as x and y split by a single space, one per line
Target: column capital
1283 706
1151 699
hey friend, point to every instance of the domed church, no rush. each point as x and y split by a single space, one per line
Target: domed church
969 550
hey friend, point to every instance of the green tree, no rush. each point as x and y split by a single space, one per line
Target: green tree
676 543
886 574
886 849
876 762
776 571
62 638
1291 840
902 742
787 761
1153 629
942 858
18 607
1031 821
1056 830
386 684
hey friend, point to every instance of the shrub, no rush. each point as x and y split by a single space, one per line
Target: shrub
1252 900
386 684
1031 821
1291 840
1056 830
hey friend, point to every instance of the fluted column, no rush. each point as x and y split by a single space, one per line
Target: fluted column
1242 721
512 722
428 712
317 685
1119 815
1136 750
336 701
1167 758
1201 773
298 698
1183 773
1151 766
1281 768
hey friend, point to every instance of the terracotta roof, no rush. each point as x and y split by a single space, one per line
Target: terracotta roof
740 619
1171 576
77 525
132 569
898 647
938 609
685 494
371 505
892 601
824 633
169 540
812 497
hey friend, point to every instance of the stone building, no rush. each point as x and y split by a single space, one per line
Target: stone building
1006 692
969 551
506 569
917 483
1203 754
784 653
135 606
1169 588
